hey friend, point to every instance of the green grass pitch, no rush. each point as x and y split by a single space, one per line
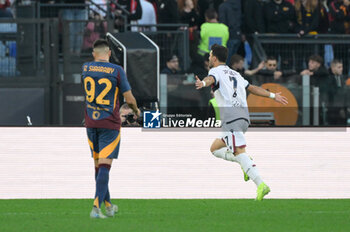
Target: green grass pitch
178 215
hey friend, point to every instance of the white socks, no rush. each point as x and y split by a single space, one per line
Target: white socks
246 163
225 154
249 167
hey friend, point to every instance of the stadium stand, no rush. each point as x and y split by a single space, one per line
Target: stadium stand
43 47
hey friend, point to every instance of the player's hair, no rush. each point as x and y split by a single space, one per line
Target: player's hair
235 59
211 14
336 61
316 58
219 52
271 58
100 45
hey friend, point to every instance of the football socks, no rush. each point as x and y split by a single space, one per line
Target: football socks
101 184
249 168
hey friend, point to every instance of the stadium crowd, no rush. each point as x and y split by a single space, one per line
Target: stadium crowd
231 23
226 22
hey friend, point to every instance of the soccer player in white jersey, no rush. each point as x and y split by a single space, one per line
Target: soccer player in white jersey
230 92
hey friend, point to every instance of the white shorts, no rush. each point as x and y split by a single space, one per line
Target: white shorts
233 139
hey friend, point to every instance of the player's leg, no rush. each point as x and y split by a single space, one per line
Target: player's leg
96 168
102 190
94 147
104 166
248 165
223 148
220 150
109 141
107 199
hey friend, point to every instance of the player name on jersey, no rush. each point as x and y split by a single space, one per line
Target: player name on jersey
102 69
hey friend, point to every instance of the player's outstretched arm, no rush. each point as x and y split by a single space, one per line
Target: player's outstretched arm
131 101
264 93
207 81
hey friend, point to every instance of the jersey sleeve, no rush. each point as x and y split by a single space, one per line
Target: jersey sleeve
245 82
215 75
124 83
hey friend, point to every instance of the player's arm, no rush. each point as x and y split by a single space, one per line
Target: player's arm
207 81
264 93
131 101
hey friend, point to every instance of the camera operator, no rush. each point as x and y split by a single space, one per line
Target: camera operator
127 116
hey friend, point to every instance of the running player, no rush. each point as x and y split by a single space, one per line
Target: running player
102 83
230 93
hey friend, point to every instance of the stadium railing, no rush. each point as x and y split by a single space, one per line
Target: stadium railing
171 39
293 51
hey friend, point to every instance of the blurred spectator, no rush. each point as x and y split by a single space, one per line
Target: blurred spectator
212 32
339 18
168 13
76 29
279 17
203 6
323 28
335 100
270 72
253 23
253 17
317 72
216 4
102 4
230 14
333 96
49 8
155 4
131 6
200 65
148 17
94 30
5 9
237 64
189 15
323 25
307 15
336 74
127 116
172 65
327 82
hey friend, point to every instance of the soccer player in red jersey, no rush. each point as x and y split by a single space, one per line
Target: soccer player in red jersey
102 83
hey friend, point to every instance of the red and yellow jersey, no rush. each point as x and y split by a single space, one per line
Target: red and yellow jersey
102 83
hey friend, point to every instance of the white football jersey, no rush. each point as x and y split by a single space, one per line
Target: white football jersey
230 93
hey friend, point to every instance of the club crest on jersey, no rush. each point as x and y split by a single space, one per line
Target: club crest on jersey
96 115
151 119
